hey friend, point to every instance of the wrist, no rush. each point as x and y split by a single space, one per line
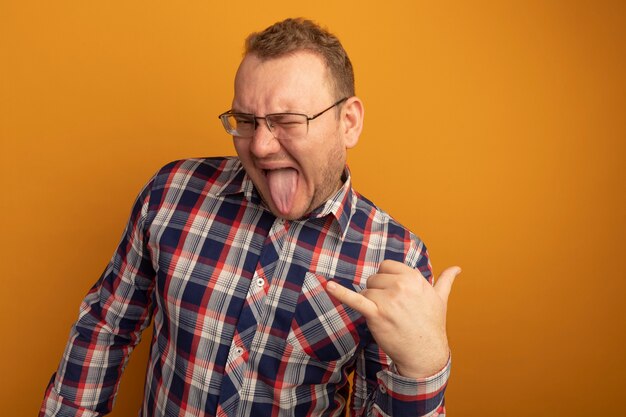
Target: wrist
426 368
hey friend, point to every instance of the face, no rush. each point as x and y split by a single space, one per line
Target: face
294 176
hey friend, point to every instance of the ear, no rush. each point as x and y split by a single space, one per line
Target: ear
352 113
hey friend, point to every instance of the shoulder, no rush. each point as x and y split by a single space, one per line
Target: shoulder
369 216
207 168
197 172
378 229
188 179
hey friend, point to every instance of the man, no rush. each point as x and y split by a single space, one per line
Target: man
269 279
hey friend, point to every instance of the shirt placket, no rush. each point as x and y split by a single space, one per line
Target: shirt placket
251 313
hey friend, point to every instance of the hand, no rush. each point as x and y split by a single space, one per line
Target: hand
406 315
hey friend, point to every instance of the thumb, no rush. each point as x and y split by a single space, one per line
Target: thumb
443 284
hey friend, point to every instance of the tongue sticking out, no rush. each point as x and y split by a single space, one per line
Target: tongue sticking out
283 183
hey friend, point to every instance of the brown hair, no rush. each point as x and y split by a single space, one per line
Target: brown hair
292 35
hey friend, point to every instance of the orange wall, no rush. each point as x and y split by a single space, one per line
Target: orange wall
496 132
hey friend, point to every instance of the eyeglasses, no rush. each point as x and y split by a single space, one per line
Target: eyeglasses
284 126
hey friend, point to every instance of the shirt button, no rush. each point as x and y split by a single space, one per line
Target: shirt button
260 282
382 388
239 351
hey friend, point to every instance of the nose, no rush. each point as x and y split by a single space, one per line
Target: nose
263 142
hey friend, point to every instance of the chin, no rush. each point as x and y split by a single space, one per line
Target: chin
292 215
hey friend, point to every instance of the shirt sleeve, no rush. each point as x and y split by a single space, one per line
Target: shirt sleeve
380 391
111 318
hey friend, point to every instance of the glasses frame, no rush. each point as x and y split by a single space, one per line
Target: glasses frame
224 118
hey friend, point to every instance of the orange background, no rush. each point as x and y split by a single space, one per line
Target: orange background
495 130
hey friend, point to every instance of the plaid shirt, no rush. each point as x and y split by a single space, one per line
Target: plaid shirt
242 323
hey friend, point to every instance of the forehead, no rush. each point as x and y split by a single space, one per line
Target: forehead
296 80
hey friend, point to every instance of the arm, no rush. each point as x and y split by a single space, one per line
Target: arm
406 374
111 318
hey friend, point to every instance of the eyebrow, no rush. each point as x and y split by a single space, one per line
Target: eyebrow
279 112
236 109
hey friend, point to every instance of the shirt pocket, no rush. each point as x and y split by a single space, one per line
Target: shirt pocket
322 327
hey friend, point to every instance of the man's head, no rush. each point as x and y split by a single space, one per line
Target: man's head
286 71
294 35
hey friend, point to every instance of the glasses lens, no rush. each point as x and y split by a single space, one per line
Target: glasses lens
288 126
241 125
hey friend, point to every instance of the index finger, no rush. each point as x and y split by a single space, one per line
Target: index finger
352 299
